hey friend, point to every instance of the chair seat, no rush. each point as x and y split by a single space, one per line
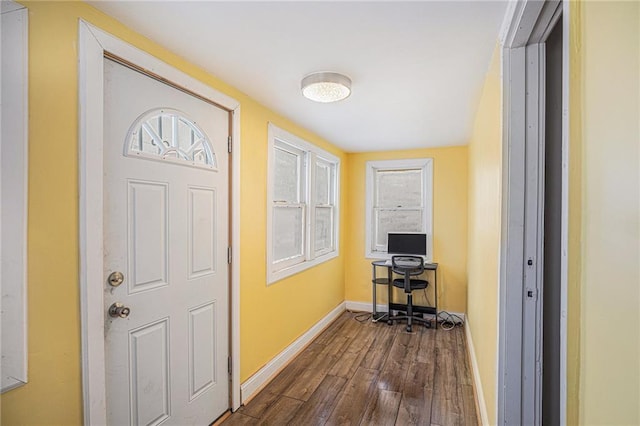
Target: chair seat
415 284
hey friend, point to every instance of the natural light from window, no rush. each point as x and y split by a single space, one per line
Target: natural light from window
399 199
303 211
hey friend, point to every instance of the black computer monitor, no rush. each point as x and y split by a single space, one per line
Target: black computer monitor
407 243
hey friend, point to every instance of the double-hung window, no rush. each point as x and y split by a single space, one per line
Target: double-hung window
303 205
399 199
289 206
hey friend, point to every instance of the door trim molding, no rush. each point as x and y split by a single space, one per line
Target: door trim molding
527 26
93 43
14 220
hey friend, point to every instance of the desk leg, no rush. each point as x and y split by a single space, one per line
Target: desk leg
374 315
435 288
389 293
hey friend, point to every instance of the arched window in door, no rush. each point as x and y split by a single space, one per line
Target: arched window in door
169 135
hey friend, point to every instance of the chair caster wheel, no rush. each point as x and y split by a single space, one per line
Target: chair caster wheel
389 322
409 329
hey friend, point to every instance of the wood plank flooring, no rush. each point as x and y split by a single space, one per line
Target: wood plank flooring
364 373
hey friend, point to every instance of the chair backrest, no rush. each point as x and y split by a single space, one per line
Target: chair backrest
407 265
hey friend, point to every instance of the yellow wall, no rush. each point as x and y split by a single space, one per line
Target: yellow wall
485 165
610 187
449 224
574 286
53 394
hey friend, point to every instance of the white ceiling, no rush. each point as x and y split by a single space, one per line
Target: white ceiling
417 67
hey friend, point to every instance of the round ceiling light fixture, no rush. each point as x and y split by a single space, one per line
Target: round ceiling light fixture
326 87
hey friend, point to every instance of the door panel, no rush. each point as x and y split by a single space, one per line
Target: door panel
149 373
166 229
202 231
202 351
147 221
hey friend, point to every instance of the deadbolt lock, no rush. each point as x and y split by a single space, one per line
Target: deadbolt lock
118 310
116 278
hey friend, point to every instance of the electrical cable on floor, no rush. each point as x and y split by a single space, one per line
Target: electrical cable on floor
360 316
363 317
382 316
449 321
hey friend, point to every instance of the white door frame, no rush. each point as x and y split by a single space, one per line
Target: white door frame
15 169
93 43
528 25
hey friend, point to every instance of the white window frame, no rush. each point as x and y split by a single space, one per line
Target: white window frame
310 156
14 174
426 166
333 201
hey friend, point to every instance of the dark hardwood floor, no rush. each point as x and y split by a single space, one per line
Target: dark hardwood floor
364 373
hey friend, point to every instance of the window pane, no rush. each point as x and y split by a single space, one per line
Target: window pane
145 142
287 232
322 184
324 228
165 130
286 177
185 135
396 221
398 188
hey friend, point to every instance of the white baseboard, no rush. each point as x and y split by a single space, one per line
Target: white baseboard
263 376
365 306
484 417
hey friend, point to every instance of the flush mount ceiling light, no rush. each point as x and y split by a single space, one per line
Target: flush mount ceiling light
326 87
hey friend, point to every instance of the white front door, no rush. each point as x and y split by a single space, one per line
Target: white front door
166 230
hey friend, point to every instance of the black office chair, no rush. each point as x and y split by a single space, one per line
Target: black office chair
407 267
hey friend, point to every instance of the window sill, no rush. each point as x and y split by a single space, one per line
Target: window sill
281 274
376 255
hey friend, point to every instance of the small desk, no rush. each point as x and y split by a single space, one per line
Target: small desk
376 281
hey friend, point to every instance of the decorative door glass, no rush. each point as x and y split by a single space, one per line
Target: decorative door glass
169 135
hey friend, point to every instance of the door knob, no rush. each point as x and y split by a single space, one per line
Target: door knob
118 310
